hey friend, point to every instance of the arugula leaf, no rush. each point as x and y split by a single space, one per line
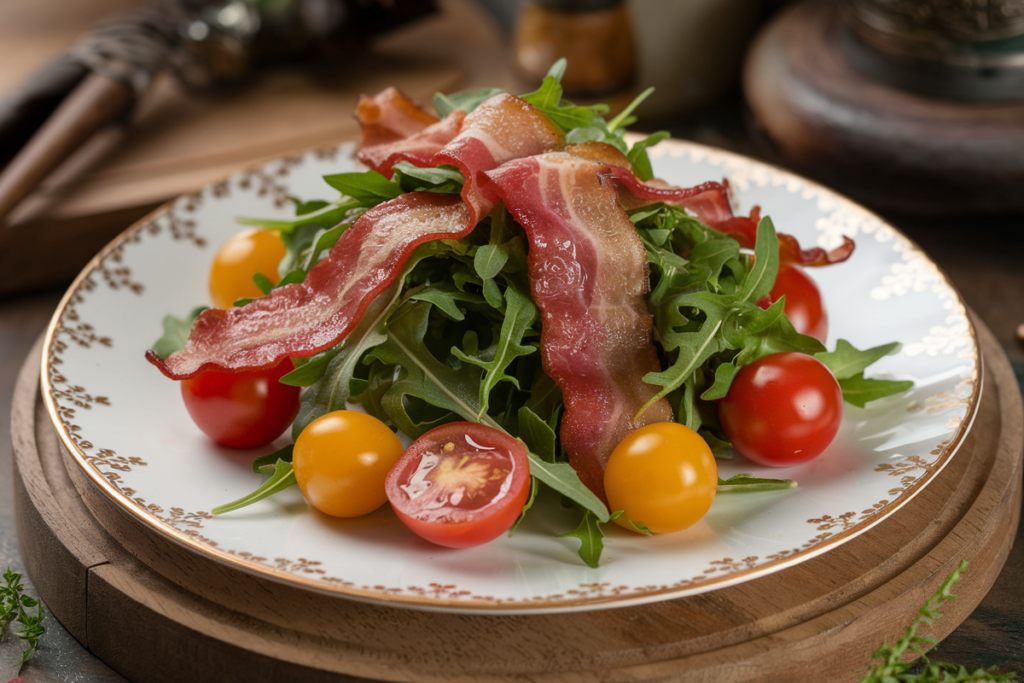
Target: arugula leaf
445 296
563 478
443 179
331 214
260 464
264 283
176 332
747 483
638 155
534 487
423 376
368 187
846 361
467 100
591 539
620 121
860 391
638 527
520 313
489 260
282 477
766 263
311 206
537 434
724 375
331 391
309 372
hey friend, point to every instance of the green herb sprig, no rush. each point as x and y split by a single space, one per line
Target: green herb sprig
893 670
15 606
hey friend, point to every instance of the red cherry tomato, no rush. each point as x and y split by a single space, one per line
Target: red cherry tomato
803 304
461 484
242 409
782 410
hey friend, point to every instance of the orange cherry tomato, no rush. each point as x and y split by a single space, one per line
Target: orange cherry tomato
341 460
663 476
247 253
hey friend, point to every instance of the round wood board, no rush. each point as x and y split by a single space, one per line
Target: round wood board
156 611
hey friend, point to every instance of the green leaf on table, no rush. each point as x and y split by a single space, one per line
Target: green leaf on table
847 361
748 483
282 476
467 100
368 187
860 391
591 539
176 332
14 606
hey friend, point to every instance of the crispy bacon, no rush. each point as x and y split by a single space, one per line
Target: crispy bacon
710 203
588 275
302 319
305 318
390 116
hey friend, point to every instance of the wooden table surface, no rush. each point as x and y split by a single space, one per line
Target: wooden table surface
982 255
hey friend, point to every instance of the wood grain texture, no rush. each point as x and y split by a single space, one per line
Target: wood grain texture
159 612
816 113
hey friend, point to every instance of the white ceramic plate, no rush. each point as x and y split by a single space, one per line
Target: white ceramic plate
126 426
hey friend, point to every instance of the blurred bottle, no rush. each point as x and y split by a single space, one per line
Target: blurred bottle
594 36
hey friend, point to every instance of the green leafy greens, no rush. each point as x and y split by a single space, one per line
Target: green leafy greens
456 336
16 606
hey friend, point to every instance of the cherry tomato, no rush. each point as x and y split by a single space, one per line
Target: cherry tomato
341 460
242 409
782 409
803 306
461 484
662 475
247 253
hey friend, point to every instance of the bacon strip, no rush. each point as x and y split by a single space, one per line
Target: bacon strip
390 116
710 203
303 319
588 275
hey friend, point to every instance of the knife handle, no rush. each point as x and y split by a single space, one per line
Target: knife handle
94 103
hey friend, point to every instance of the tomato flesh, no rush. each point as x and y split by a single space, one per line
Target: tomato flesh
245 254
341 460
242 409
662 475
803 305
461 484
783 409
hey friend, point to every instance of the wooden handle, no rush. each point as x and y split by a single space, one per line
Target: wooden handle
94 103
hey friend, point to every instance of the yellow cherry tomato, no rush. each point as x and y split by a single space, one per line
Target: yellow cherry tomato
341 460
247 253
663 476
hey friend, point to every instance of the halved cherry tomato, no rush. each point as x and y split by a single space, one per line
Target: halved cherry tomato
803 306
242 409
461 484
245 254
662 475
341 460
782 409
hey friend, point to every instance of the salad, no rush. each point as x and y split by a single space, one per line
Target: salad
511 288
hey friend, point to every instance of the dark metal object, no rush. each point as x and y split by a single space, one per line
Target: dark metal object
206 44
955 49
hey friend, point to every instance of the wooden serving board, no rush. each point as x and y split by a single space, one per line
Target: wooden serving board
156 611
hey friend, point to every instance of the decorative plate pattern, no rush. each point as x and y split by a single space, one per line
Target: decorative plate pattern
125 424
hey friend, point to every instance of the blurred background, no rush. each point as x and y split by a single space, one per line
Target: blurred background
915 108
